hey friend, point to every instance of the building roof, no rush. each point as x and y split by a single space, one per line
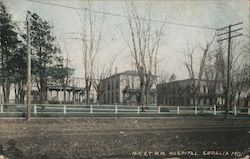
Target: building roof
126 73
183 80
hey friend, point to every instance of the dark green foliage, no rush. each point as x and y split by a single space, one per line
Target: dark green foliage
47 61
8 46
58 72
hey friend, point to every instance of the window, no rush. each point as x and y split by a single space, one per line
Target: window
200 101
108 85
132 82
165 100
117 83
117 97
112 97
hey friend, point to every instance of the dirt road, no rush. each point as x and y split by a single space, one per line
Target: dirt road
125 138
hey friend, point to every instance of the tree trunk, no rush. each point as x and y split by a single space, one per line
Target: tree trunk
43 92
87 91
195 99
142 101
147 93
7 92
64 94
4 92
22 93
16 93
238 99
73 96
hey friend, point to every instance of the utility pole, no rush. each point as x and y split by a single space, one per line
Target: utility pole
230 36
28 116
65 83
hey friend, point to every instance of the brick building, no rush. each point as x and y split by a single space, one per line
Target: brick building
180 93
123 88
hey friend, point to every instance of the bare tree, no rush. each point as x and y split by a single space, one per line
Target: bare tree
240 81
143 45
214 73
246 50
105 72
239 72
91 41
162 77
235 66
197 77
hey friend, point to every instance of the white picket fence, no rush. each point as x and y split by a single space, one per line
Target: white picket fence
117 109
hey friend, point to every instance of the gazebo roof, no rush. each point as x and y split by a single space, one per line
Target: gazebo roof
67 88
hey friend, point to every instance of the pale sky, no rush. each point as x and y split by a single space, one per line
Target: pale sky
210 13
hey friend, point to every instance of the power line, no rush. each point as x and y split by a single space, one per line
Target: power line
123 16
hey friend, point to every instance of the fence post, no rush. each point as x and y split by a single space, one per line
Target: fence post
138 110
195 110
1 108
116 110
91 109
178 110
35 109
214 109
159 109
64 109
235 110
